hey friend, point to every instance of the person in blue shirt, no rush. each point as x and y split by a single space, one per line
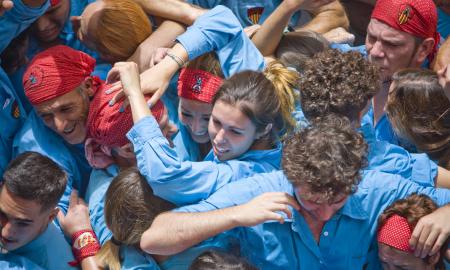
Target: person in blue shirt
244 139
395 227
13 114
443 26
336 207
32 186
344 83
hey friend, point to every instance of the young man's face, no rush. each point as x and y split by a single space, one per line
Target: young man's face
21 221
390 49
315 205
66 115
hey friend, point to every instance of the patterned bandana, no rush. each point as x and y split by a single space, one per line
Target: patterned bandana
396 233
198 85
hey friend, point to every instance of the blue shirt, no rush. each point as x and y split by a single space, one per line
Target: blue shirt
219 30
248 12
15 262
183 182
35 136
443 25
49 250
12 115
291 245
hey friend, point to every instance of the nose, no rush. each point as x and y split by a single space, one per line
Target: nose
60 123
7 230
220 137
197 127
43 23
376 50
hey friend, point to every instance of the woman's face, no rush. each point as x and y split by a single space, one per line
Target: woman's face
231 132
392 258
195 116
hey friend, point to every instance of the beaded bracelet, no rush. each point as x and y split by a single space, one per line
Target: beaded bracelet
85 244
177 59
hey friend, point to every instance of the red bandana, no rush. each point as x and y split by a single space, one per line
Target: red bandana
54 2
396 233
55 72
198 85
416 17
106 125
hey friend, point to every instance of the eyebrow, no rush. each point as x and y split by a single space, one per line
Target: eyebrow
23 220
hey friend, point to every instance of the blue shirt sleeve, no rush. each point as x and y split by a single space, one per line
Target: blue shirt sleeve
10 261
14 21
219 30
180 182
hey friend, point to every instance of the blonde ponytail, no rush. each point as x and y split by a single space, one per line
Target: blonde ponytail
284 81
108 256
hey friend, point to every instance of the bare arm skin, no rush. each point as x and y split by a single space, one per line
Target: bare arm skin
326 18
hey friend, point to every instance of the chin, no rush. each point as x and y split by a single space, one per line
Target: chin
202 139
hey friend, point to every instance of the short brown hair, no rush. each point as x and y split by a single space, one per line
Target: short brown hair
326 157
32 176
339 83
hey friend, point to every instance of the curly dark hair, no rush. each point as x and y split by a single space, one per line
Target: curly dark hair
326 157
336 82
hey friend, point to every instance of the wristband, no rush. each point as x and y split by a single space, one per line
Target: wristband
177 59
84 244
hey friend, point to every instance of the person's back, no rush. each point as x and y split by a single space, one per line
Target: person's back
32 186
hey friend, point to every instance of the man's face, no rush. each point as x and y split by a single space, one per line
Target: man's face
21 221
315 205
392 258
48 27
66 115
390 49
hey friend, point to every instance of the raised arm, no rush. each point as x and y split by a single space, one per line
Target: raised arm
266 39
327 18
173 232
174 10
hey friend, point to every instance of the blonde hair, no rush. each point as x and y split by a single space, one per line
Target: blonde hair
122 27
285 81
207 62
130 208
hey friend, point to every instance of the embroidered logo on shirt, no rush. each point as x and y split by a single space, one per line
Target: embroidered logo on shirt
15 111
405 14
254 14
198 84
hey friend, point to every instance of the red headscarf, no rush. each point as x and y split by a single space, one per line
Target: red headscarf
198 85
107 127
416 17
55 72
396 233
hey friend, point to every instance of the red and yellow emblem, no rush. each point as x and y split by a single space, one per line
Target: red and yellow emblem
15 111
254 14
404 15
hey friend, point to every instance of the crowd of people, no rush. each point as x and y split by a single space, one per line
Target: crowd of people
202 135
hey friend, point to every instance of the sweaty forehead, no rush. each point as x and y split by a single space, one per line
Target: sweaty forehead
380 29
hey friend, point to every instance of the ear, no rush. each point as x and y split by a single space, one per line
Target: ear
88 86
53 214
424 49
266 131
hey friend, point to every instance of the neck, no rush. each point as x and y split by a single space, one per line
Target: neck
379 101
315 226
261 144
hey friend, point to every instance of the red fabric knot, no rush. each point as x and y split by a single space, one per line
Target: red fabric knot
198 85
55 72
396 233
416 17
88 246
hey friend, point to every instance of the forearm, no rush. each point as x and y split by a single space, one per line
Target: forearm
443 178
172 232
266 39
176 10
89 263
139 107
163 37
326 18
